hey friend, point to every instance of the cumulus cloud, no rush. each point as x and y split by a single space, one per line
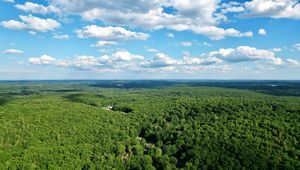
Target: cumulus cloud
43 60
197 9
32 32
201 61
186 43
12 51
262 31
216 33
276 61
198 16
105 50
31 23
207 44
123 60
125 56
272 9
82 62
61 37
104 43
245 54
9 1
170 35
162 60
178 23
232 7
277 49
201 16
293 62
37 8
110 33
297 46
137 11
118 59
152 50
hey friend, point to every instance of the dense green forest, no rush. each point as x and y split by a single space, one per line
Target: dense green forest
150 125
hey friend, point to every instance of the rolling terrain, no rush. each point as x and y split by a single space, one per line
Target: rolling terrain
150 124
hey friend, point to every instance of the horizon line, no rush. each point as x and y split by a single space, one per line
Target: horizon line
12 80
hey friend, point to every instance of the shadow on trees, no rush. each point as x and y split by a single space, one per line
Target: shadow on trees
5 98
74 98
276 88
89 99
63 90
133 84
122 108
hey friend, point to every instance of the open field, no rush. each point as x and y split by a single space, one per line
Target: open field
150 125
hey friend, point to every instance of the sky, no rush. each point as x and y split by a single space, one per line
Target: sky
149 39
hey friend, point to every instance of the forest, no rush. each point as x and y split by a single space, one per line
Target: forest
147 124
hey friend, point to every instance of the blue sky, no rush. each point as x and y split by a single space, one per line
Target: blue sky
154 39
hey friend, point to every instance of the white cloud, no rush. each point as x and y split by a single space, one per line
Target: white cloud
186 43
216 33
201 68
119 59
79 6
199 10
152 50
37 8
110 33
161 60
104 43
105 50
297 46
123 60
20 62
31 23
43 60
272 9
201 16
276 61
207 44
201 61
245 54
181 24
125 56
12 24
277 49
83 62
232 7
170 35
143 13
12 51
9 1
61 37
262 31
32 32
293 62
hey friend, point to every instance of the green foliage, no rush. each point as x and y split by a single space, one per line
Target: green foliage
71 125
121 108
